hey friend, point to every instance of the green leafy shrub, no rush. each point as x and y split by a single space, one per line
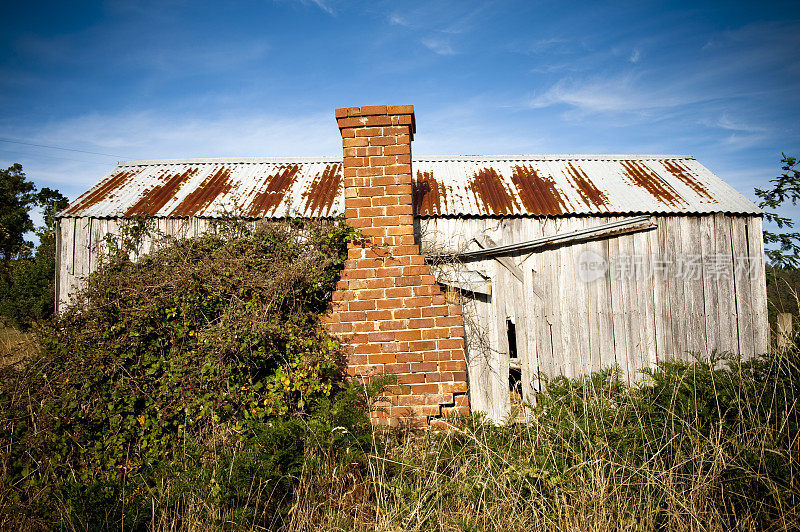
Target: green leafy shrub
208 351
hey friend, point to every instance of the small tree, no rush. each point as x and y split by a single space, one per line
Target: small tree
17 196
785 187
26 278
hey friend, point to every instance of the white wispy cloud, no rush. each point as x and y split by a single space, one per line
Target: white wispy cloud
322 5
438 46
726 122
635 56
604 94
397 20
156 135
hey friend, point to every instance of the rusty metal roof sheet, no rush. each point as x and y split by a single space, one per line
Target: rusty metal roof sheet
509 185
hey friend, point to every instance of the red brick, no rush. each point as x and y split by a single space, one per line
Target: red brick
424 290
421 323
449 321
462 400
391 347
403 291
368 212
407 313
383 160
453 365
389 304
358 202
384 141
408 335
392 325
453 387
397 150
410 378
410 280
384 221
360 305
382 201
382 358
434 311
417 302
394 130
422 345
434 334
457 332
367 349
397 368
349 143
380 282
377 120
402 230
369 132
380 336
423 388
451 343
399 210
378 110
340 112
397 169
400 109
375 315
373 231
370 171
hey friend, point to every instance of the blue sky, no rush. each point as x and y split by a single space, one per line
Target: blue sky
129 79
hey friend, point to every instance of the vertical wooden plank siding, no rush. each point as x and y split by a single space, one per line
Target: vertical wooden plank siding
711 274
744 300
758 287
726 293
617 304
644 300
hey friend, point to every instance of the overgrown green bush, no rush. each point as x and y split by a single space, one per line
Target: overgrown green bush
206 353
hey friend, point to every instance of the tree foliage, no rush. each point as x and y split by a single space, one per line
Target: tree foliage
26 276
784 188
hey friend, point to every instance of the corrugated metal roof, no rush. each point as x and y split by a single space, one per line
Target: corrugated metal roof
508 185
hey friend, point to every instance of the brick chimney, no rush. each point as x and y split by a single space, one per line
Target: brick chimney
388 311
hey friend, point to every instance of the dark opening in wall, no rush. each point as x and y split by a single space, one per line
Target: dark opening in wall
511 331
514 366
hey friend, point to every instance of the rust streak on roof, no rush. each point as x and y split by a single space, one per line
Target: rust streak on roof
103 191
538 193
277 185
586 189
428 195
489 191
643 177
323 191
214 185
685 175
154 199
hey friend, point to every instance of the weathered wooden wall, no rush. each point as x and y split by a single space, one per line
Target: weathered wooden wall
565 326
80 244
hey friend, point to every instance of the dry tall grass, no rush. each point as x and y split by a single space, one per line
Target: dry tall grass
588 459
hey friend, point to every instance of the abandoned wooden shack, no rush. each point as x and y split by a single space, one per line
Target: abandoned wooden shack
563 264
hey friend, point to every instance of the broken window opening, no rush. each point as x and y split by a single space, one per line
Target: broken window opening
514 366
